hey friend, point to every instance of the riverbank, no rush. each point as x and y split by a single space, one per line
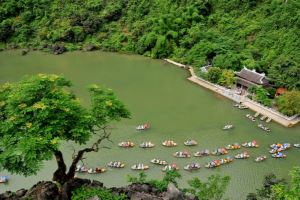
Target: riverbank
254 106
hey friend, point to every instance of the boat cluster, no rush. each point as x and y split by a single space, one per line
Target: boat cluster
276 149
205 152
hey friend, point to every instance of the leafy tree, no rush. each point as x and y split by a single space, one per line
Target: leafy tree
290 190
214 74
252 89
289 103
214 188
278 189
39 112
227 78
261 96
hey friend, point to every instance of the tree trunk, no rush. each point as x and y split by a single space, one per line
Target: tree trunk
60 175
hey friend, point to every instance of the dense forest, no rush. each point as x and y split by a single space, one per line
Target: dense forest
230 34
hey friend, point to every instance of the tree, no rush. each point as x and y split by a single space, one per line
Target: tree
227 78
261 96
214 188
39 112
214 74
290 191
289 103
279 189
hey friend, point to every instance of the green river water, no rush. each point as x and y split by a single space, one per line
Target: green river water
157 93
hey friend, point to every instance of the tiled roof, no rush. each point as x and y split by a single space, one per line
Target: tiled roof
252 76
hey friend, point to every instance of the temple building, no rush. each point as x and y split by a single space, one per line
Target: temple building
247 78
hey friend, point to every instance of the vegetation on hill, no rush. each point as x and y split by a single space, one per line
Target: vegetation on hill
262 35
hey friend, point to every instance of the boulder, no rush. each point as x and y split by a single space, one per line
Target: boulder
24 52
43 190
90 47
173 193
94 198
7 196
144 196
58 49
20 193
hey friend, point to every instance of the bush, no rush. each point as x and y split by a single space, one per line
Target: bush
84 193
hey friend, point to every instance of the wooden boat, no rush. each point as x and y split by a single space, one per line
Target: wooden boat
116 164
219 151
192 166
261 126
139 166
182 154
260 158
81 169
158 161
169 143
244 155
126 144
170 168
228 127
213 164
190 143
268 120
278 155
297 145
256 114
250 117
226 160
241 106
202 153
252 144
97 170
147 145
142 127
233 146
263 118
4 179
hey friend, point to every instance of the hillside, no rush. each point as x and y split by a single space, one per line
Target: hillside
263 35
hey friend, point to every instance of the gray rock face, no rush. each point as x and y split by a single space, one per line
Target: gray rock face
47 190
43 190
173 193
94 198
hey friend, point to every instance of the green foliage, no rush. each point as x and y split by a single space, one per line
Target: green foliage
227 78
261 96
290 191
252 89
289 103
214 188
262 35
39 112
160 185
140 179
214 74
279 189
84 193
271 91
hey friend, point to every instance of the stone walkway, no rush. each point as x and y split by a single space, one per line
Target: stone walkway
256 107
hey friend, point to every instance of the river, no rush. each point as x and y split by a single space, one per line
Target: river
158 93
